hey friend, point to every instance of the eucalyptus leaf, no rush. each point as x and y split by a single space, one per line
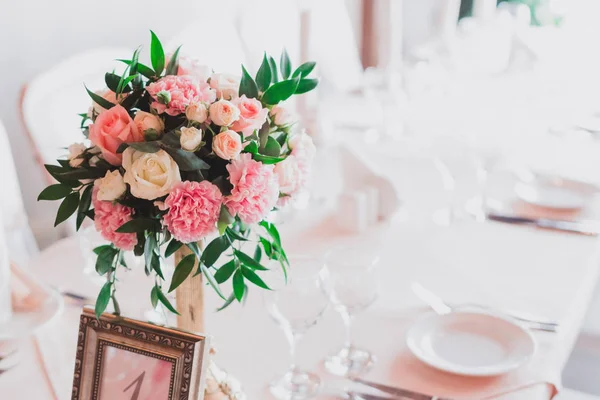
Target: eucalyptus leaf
248 86
254 278
103 299
67 208
225 271
263 76
239 287
285 64
248 261
182 271
157 54
55 192
172 247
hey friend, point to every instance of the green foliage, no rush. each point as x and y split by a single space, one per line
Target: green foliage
103 299
101 101
214 250
225 271
239 287
248 86
285 64
182 271
67 208
280 91
157 54
173 66
138 225
55 192
263 76
172 247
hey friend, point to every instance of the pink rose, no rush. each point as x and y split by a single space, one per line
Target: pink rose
193 210
255 190
146 121
223 112
112 128
108 217
172 94
252 115
227 145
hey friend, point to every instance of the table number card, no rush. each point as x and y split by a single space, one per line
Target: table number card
123 359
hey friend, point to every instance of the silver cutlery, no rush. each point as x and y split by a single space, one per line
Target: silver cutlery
441 307
394 392
584 227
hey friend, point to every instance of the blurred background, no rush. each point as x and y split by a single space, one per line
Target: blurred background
475 89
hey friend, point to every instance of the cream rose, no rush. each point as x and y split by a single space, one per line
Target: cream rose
150 175
111 187
190 139
224 113
226 85
289 175
75 152
281 116
227 145
146 121
197 112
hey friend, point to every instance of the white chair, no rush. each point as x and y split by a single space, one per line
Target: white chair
569 394
52 101
19 237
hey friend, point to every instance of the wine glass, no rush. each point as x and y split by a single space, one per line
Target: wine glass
350 280
296 307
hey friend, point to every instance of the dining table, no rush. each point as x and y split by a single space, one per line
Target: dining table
505 266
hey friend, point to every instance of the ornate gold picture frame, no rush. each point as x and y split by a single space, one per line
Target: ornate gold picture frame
121 358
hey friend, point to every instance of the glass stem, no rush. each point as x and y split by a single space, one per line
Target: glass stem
348 319
293 338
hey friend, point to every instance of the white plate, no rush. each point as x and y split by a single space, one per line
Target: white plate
470 343
558 194
23 324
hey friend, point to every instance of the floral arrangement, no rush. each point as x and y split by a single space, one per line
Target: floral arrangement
179 154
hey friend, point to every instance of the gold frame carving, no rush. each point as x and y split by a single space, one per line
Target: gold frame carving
188 352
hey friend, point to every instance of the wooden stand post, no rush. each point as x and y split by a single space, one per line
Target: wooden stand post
190 297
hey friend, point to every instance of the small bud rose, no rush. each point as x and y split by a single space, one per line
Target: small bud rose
191 139
197 112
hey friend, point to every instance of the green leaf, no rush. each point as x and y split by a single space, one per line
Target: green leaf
211 281
67 208
239 287
157 54
81 173
306 85
172 247
273 65
101 101
214 250
138 225
113 82
55 192
230 300
182 271
173 66
155 265
142 69
233 235
124 84
280 91
149 249
84 205
305 69
154 296
103 299
254 278
272 230
163 299
193 246
263 136
248 261
251 148
131 100
285 64
225 219
268 159
268 248
186 160
263 76
247 85
99 249
105 260
146 147
225 272
272 148
257 253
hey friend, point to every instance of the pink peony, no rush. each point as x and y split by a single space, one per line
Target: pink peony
172 94
112 128
255 190
193 210
108 217
252 115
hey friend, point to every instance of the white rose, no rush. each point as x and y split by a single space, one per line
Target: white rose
197 112
302 145
224 113
191 139
75 152
111 187
281 116
289 175
145 121
226 85
150 175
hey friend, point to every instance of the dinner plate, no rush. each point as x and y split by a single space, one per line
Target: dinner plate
470 343
555 193
24 323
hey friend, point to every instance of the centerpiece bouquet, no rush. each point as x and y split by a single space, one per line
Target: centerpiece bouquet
178 154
